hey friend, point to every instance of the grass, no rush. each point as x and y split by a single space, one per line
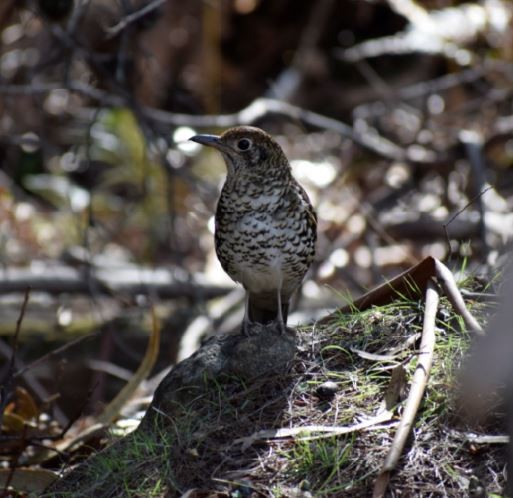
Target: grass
200 448
319 464
139 465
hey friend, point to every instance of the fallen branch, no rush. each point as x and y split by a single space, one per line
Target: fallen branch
263 107
309 432
129 279
418 386
7 390
447 281
7 385
255 111
114 407
412 282
487 438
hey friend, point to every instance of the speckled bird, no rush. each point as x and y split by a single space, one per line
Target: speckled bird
265 225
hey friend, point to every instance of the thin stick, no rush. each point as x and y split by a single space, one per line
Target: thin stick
418 386
5 390
133 17
53 353
448 283
19 321
114 407
445 226
8 387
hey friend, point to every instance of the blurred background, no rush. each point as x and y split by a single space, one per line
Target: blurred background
397 118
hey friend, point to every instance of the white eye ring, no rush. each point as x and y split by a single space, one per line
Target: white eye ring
244 144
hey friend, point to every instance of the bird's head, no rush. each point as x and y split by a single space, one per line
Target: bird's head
248 151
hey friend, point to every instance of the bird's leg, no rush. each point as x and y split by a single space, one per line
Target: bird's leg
245 322
281 322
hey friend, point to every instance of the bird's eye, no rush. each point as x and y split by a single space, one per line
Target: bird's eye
244 144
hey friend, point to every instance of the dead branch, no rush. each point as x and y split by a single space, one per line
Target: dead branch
447 281
134 16
258 109
445 31
7 385
22 371
31 382
112 410
287 83
424 226
131 280
412 282
474 148
311 432
33 480
418 386
443 83
263 107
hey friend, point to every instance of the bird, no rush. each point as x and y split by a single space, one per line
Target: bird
265 225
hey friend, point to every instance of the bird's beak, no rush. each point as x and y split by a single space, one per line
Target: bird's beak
210 141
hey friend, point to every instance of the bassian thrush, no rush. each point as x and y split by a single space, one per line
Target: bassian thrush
265 225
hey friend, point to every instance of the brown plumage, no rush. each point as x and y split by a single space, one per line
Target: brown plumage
266 228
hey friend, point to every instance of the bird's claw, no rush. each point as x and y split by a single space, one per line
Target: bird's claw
249 328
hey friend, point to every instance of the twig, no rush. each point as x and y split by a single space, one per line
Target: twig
14 463
436 85
487 438
133 17
114 407
33 384
484 297
101 96
19 321
288 82
418 386
448 283
53 353
7 385
414 279
311 432
474 144
455 215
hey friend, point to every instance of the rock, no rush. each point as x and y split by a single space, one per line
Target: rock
327 390
264 352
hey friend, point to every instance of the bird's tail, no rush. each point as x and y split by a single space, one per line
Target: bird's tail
263 307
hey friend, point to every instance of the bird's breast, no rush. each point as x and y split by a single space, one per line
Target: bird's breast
263 243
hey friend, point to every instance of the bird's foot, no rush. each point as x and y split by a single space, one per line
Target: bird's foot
244 329
250 329
280 326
